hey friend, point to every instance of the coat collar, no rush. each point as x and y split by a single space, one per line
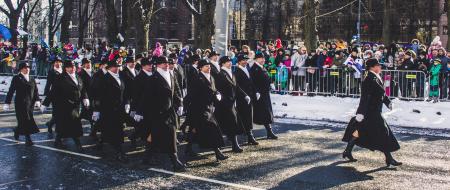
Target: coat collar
69 79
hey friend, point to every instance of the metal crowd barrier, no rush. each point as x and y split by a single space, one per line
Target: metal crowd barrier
410 85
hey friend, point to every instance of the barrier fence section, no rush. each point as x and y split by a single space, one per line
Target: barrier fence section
410 85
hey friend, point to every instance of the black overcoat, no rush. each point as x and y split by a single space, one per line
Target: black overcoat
245 110
26 95
86 112
67 97
225 111
262 108
208 133
374 132
158 105
112 101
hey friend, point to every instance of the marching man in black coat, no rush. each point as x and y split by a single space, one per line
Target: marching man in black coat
215 66
52 76
128 74
158 107
204 95
24 86
262 107
96 83
370 129
225 112
244 109
86 77
139 83
111 110
67 94
192 74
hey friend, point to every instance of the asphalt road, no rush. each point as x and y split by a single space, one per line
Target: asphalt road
307 156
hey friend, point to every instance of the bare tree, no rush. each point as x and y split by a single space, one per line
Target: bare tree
54 17
144 11
387 37
27 12
65 20
310 23
13 14
86 9
111 20
203 11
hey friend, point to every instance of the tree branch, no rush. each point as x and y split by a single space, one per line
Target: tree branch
30 12
192 8
5 11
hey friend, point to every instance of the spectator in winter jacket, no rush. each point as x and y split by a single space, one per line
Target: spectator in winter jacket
434 79
298 60
442 55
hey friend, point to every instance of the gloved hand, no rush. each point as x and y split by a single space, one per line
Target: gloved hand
95 116
127 108
247 98
258 95
43 108
219 96
86 103
180 111
138 118
359 117
37 104
6 107
391 106
132 114
272 86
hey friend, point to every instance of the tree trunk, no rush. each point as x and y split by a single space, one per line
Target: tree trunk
111 21
65 21
204 25
13 23
448 25
387 38
310 25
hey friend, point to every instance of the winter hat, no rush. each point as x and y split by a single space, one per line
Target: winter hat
158 50
23 65
372 63
68 63
224 59
202 63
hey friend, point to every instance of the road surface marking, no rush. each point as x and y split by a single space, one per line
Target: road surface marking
57 150
205 179
12 182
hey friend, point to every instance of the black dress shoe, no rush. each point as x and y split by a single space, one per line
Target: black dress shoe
237 149
348 155
29 143
179 167
252 141
122 158
220 157
272 136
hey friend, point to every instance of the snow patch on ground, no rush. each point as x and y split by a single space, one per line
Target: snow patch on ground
319 108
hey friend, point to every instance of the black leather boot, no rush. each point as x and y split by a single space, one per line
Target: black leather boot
270 134
219 155
78 144
251 139
235 144
178 166
58 142
348 150
390 160
28 140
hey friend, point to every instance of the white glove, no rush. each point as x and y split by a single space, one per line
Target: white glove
391 106
37 104
138 118
6 107
180 111
95 116
272 86
132 114
219 96
359 117
127 108
43 108
247 98
86 102
258 95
